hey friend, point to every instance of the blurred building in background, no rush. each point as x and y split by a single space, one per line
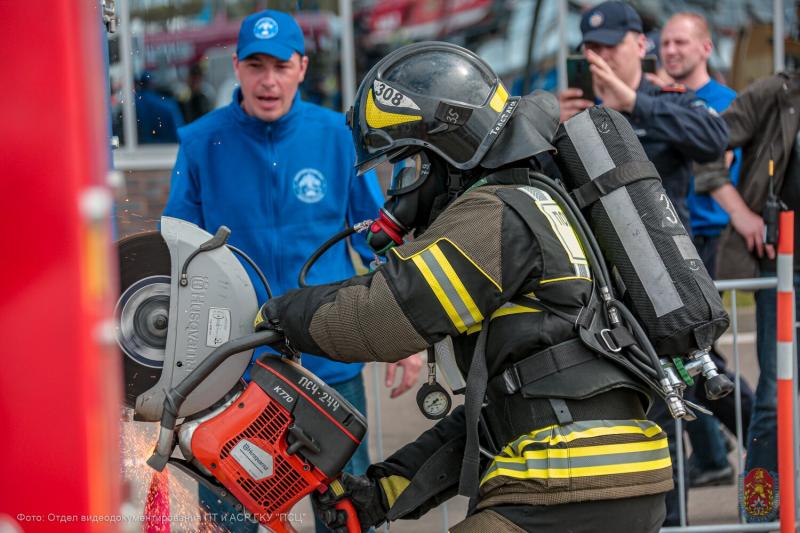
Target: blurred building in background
184 48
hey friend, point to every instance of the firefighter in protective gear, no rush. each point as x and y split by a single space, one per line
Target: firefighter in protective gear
496 266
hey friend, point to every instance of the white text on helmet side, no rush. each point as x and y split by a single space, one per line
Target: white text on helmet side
503 118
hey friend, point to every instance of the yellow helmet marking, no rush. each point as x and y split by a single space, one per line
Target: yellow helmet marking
499 99
377 118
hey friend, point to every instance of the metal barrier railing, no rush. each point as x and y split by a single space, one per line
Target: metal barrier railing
786 377
733 286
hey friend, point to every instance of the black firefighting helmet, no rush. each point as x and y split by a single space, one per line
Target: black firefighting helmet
431 95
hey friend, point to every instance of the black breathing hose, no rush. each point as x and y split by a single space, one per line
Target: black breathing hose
252 263
361 226
645 345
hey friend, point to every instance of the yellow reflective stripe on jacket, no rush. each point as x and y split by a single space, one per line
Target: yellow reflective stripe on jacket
552 457
627 465
583 430
454 279
565 278
447 287
504 310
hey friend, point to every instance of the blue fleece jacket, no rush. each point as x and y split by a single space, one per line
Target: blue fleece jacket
707 216
283 188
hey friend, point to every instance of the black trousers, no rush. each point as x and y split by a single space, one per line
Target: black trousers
643 514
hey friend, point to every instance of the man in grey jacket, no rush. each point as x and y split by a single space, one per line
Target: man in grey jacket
764 120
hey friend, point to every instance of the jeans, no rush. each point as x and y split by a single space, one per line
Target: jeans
762 450
708 446
353 391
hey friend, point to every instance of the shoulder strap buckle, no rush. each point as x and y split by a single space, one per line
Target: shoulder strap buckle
608 340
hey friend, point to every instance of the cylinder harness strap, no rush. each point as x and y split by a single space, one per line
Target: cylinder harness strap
617 177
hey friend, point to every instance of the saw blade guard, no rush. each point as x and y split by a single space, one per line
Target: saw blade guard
166 328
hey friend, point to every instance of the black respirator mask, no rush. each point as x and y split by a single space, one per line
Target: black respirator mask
415 194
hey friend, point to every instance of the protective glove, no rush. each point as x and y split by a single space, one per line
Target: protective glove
263 322
366 495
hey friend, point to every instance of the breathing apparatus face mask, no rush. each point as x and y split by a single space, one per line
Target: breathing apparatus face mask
413 190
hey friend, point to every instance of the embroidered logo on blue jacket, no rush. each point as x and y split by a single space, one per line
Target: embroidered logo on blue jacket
265 28
310 185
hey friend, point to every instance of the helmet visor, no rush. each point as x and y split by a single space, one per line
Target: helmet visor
408 173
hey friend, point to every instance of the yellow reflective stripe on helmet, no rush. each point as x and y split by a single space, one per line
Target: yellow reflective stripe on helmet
447 287
499 98
378 118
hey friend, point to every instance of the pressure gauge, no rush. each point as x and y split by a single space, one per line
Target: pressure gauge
433 400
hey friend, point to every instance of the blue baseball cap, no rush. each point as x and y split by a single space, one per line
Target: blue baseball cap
270 32
607 23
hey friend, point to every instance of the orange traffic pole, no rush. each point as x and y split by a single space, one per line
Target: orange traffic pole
786 388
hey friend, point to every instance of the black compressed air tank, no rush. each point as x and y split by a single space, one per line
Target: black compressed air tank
651 258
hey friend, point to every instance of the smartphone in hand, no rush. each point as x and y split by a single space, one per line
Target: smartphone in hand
649 64
579 76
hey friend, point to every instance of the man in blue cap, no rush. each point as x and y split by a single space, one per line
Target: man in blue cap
279 172
674 126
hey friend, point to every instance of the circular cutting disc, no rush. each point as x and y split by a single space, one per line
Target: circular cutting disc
142 310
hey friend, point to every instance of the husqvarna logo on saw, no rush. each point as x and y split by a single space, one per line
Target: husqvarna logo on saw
265 28
257 462
309 185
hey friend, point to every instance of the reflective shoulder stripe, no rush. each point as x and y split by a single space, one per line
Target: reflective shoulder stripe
445 284
447 268
562 229
454 245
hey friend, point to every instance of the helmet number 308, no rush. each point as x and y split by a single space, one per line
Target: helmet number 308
391 97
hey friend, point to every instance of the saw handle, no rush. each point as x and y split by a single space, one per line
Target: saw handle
175 397
353 525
